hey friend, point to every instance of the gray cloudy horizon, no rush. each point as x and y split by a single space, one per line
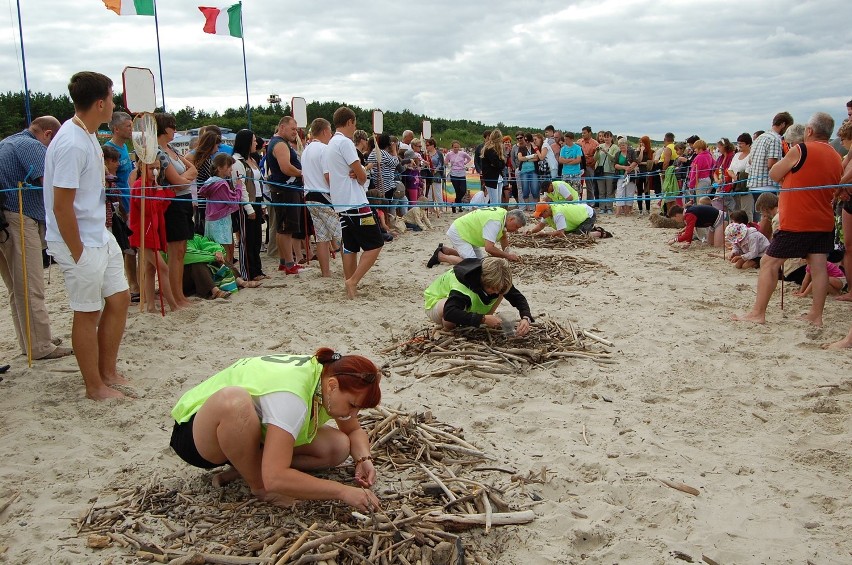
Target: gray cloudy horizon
635 67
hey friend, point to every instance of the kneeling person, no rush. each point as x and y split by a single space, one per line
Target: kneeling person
470 292
477 233
565 219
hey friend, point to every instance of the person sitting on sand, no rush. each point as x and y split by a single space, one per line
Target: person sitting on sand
747 245
559 191
698 216
266 416
470 292
836 280
416 218
476 233
565 219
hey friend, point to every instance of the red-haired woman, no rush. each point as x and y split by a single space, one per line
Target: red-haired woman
645 156
265 416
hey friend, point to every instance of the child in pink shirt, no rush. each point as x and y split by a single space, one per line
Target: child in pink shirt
836 280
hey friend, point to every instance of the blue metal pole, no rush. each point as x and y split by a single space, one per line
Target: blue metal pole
24 64
245 67
159 55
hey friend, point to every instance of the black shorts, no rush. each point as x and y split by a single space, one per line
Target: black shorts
361 231
183 444
180 225
791 245
121 233
288 218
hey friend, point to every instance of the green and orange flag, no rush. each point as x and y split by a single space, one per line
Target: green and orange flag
131 7
223 21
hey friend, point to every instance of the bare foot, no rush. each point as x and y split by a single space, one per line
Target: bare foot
184 304
103 393
845 297
842 344
351 289
117 379
229 475
749 317
812 319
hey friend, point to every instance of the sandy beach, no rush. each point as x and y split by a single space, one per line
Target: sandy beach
756 418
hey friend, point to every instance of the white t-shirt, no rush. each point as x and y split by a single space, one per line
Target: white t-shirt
283 409
75 160
490 230
345 191
739 165
480 198
313 172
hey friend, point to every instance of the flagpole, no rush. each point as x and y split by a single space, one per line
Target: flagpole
24 64
159 55
245 67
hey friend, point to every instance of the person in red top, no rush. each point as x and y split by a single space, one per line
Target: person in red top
809 172
154 230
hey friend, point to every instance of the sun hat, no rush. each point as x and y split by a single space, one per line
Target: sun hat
735 233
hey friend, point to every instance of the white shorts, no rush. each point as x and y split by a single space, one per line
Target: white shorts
466 250
97 275
436 312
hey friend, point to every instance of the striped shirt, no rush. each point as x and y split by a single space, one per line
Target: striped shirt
22 158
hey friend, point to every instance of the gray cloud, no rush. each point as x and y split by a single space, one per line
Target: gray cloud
637 67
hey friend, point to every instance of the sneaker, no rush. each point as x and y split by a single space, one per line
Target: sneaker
433 260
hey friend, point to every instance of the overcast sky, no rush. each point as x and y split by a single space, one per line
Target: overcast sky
632 66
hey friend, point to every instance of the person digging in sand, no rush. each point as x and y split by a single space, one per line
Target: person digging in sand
266 416
565 219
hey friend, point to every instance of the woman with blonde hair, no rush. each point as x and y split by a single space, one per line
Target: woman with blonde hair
493 162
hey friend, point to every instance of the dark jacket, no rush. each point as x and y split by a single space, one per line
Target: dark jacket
469 273
492 167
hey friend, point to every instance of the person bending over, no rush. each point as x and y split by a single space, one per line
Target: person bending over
698 216
477 233
470 292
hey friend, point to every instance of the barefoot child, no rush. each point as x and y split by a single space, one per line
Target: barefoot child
224 200
698 216
154 231
747 245
836 280
767 206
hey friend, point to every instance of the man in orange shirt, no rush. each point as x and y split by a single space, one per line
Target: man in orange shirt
806 217
589 145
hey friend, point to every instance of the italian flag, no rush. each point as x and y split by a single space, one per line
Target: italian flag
224 21
131 7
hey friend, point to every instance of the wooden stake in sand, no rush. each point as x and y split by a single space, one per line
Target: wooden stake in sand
681 487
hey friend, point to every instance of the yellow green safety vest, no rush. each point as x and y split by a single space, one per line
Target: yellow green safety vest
297 374
575 214
470 225
556 196
441 287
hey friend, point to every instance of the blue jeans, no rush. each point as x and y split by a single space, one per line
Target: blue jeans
529 185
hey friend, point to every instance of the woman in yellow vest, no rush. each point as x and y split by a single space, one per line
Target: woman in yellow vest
470 292
567 218
477 233
265 416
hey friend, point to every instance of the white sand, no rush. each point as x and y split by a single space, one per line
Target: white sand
688 398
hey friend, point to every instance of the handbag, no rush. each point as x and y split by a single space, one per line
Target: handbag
542 168
740 184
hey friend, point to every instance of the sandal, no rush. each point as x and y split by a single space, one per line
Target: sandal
219 293
248 284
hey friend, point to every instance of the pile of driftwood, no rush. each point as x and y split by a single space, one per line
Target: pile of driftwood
553 267
570 241
494 354
436 485
659 221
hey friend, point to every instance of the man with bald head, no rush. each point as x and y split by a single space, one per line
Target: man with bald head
22 161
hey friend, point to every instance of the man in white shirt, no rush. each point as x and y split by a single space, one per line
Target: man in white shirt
326 223
346 177
405 142
77 238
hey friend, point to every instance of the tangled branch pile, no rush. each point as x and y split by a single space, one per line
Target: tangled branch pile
659 221
570 241
550 267
436 485
489 353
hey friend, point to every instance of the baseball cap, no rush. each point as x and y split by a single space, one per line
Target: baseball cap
540 209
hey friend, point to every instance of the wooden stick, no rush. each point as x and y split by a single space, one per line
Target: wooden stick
585 439
233 559
497 519
681 487
297 544
12 499
489 514
444 488
318 557
596 338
